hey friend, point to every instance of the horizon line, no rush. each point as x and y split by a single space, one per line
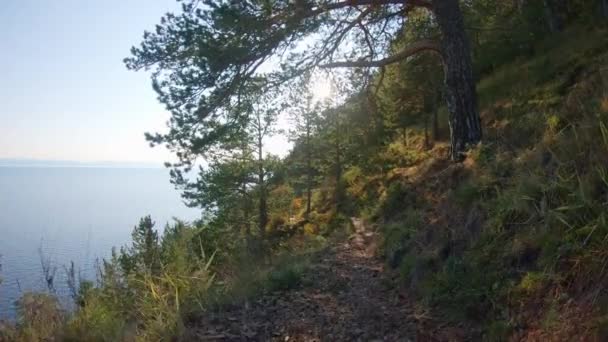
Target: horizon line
34 162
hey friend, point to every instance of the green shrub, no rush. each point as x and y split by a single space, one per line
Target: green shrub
465 194
397 198
147 289
398 236
532 282
408 264
97 320
285 278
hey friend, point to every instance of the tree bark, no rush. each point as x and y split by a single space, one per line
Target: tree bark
461 96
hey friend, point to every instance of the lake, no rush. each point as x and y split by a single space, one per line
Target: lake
73 213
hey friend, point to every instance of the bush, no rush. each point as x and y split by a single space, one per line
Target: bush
398 237
98 320
285 278
39 317
533 282
144 291
397 197
466 194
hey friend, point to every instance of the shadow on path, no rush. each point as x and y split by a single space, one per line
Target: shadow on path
346 300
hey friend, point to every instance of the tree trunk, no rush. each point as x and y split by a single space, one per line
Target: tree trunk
461 96
605 8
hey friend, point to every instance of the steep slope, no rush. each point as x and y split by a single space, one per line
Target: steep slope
514 239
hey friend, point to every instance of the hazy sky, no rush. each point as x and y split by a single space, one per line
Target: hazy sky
64 91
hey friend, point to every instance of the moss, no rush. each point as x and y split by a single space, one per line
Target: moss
533 282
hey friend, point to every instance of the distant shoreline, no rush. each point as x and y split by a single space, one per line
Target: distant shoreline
92 166
25 163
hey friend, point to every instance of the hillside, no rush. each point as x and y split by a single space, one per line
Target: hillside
507 245
513 238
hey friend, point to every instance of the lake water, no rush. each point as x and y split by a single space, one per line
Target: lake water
73 213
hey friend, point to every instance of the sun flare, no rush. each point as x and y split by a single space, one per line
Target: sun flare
321 87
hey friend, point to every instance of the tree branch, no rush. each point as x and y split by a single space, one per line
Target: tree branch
412 49
352 3
323 8
342 34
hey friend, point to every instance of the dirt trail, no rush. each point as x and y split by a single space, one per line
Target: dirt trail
346 299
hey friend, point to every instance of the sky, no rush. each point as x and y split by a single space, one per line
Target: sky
65 93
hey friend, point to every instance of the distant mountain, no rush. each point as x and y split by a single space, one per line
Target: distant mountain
8 162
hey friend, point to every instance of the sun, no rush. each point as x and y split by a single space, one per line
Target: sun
321 87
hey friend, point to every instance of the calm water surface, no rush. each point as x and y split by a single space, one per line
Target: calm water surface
73 213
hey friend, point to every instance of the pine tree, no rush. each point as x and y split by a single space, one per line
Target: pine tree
145 248
206 58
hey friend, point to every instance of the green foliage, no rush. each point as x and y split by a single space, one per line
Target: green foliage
144 292
98 320
285 278
466 288
251 279
206 59
352 176
465 193
533 282
144 255
408 267
397 197
397 234
539 182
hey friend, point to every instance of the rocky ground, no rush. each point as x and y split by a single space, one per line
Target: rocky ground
347 297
